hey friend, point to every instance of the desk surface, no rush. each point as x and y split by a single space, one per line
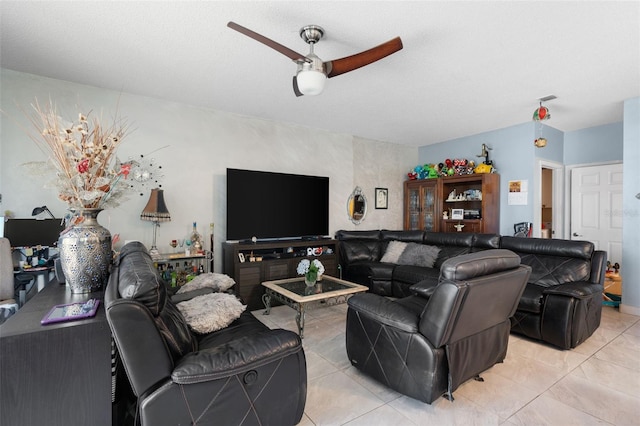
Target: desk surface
27 319
39 361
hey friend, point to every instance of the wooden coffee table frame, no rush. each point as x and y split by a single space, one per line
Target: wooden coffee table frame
274 289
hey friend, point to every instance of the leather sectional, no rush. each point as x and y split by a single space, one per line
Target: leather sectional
243 374
561 303
425 346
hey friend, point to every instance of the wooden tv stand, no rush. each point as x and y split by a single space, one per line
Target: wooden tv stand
271 260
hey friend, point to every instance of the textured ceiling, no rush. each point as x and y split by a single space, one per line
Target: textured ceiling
466 67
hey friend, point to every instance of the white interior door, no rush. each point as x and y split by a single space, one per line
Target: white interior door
596 207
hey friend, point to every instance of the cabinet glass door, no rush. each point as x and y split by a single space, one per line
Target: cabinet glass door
428 208
414 208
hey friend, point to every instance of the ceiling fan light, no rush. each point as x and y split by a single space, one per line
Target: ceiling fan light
311 82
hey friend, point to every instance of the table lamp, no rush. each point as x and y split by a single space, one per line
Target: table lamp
155 211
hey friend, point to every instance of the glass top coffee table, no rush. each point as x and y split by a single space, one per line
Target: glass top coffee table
295 293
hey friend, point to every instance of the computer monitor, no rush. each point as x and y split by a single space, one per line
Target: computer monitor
33 232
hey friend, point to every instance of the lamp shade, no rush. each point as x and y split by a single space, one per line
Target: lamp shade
156 209
311 82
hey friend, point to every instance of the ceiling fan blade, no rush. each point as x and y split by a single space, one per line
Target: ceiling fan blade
350 63
296 90
292 54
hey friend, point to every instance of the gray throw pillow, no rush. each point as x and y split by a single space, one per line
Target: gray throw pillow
394 250
419 255
212 280
211 312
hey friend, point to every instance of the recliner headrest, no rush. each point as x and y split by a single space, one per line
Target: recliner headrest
139 279
472 265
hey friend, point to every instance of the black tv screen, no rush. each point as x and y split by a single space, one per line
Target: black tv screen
269 205
33 232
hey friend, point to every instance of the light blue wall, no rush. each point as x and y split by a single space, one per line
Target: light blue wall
513 154
631 208
594 144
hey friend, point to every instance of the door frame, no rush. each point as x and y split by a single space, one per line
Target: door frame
567 192
559 219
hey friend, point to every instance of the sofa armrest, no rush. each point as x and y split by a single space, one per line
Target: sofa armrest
385 311
424 288
236 356
578 289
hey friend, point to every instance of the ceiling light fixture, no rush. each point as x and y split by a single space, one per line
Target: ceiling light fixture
311 76
542 113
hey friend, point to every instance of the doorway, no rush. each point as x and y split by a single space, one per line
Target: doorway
548 215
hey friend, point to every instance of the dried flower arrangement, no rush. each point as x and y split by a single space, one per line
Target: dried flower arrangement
82 160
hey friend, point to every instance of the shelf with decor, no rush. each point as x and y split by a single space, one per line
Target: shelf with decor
183 265
250 264
471 203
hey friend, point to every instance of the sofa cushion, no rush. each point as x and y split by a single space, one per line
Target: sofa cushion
393 252
485 242
406 236
550 271
211 312
419 255
447 252
409 274
139 279
460 239
216 282
360 251
361 272
549 247
531 299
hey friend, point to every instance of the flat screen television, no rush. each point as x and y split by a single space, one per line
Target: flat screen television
33 232
269 205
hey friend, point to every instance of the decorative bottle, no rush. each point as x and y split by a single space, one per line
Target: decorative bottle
196 240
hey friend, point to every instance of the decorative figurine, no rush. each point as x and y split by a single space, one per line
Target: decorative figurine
485 154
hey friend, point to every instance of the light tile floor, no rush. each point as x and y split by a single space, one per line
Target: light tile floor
596 383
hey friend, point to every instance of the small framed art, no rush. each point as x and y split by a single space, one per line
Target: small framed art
457 213
382 198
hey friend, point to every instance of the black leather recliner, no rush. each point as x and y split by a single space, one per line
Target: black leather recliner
428 344
244 374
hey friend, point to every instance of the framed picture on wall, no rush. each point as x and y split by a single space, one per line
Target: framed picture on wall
382 198
457 213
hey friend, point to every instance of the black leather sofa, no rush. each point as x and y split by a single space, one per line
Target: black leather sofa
561 304
426 345
244 374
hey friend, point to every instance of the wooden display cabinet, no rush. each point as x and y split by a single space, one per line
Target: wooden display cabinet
475 197
251 264
421 205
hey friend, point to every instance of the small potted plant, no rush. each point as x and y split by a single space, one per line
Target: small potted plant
312 271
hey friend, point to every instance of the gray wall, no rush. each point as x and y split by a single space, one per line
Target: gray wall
195 146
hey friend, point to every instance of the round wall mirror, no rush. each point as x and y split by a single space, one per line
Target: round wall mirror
357 206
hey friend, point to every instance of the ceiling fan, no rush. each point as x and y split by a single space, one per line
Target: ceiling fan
312 71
